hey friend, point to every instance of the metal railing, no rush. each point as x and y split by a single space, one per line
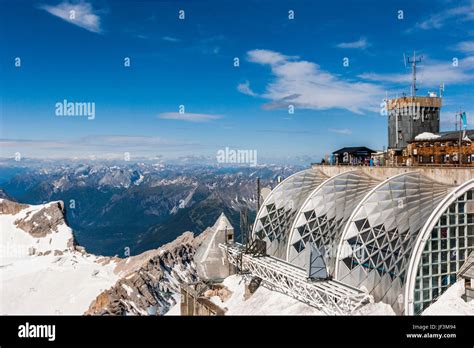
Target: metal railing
329 296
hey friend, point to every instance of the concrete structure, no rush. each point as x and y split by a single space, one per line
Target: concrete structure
410 116
401 234
210 261
448 176
466 272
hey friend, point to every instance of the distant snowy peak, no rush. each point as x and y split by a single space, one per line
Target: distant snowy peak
97 175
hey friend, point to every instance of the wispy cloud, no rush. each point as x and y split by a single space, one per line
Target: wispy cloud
105 146
268 57
285 131
189 117
344 131
431 74
460 13
171 39
449 120
362 43
245 89
465 46
304 84
210 45
81 14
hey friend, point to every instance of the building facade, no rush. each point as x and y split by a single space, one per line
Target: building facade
410 116
401 238
447 148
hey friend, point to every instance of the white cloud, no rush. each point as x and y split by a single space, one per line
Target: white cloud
267 57
189 117
430 74
245 89
362 43
102 146
127 140
305 85
462 13
171 39
465 46
449 118
344 131
81 14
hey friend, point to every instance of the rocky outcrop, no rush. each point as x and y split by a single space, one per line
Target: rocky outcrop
150 280
45 221
147 283
8 207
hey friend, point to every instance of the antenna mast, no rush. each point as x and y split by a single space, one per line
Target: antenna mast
413 62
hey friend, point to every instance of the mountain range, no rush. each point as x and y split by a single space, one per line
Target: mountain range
121 208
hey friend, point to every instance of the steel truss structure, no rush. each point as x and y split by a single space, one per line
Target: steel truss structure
329 296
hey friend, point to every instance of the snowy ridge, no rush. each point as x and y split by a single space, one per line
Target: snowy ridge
14 237
43 272
46 274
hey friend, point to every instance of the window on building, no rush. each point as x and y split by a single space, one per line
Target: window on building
444 253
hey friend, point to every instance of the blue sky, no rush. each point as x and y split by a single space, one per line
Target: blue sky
190 62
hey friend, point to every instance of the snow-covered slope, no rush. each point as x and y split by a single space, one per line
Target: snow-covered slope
451 303
262 302
41 271
267 302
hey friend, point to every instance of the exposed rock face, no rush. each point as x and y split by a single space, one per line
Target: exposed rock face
45 224
42 222
145 284
149 280
10 207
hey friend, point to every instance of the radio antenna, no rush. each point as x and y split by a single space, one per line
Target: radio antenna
413 62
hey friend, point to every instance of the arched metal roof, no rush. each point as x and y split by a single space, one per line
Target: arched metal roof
276 215
372 234
378 239
323 215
